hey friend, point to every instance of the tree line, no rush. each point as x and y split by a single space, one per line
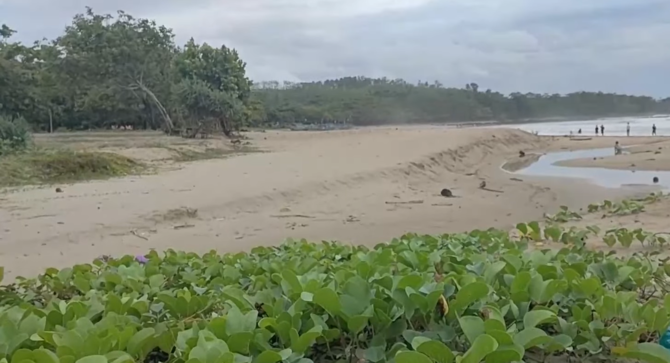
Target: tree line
368 101
106 71
119 70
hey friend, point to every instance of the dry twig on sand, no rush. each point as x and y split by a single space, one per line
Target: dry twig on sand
408 202
290 216
134 233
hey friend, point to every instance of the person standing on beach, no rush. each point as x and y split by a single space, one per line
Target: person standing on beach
602 130
596 130
653 130
628 129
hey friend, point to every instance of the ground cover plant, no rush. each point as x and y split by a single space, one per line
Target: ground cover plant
39 166
465 298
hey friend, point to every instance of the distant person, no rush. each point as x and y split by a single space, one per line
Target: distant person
617 148
579 132
602 130
628 129
596 130
653 130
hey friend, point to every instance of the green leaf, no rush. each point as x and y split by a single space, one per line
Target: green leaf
537 317
531 337
469 294
45 356
436 351
411 357
237 322
506 354
375 354
307 296
138 341
483 346
268 356
472 326
292 279
328 299
93 359
300 344
646 352
239 342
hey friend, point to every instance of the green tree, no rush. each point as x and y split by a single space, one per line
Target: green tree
118 69
212 85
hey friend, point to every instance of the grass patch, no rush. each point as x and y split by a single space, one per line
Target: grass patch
62 166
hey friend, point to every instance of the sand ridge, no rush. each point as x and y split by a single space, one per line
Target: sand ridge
360 186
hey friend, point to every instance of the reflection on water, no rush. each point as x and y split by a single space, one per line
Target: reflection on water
605 177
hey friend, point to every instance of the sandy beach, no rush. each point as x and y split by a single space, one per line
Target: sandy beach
360 186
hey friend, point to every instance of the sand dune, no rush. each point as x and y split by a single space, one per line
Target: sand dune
359 186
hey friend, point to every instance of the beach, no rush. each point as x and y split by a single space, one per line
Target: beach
362 186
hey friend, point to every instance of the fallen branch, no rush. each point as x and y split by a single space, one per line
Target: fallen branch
492 190
290 216
408 202
134 233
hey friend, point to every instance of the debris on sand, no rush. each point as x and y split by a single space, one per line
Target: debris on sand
290 216
446 193
522 154
59 190
352 219
482 186
408 202
138 235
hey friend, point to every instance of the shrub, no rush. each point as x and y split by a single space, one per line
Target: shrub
14 135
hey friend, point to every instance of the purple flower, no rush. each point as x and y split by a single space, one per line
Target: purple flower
141 259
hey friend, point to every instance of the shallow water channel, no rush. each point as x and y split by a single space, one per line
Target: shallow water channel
609 178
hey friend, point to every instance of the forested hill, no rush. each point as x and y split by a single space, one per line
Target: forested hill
367 101
106 70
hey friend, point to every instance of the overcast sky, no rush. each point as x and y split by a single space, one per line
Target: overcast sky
506 45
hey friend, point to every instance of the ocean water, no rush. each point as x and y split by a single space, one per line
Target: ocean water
613 126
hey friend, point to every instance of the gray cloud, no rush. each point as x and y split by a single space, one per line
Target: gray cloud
527 45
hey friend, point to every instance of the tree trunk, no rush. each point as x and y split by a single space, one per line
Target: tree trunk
51 122
168 122
225 127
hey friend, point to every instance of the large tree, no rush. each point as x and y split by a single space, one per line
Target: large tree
212 85
117 69
16 81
